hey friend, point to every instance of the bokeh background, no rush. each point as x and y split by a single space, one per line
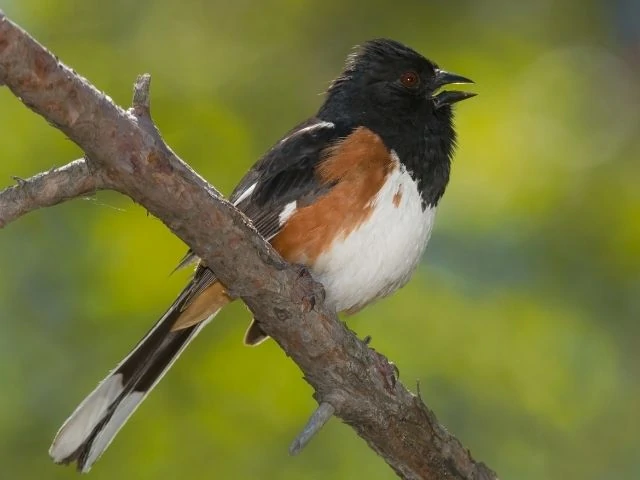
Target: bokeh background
521 325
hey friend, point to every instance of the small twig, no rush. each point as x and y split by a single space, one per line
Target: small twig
141 96
321 416
47 189
141 107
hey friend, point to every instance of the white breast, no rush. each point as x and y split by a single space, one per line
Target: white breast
378 257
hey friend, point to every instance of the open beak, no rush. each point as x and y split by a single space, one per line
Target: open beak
449 97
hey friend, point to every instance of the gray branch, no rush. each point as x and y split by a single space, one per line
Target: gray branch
126 153
46 189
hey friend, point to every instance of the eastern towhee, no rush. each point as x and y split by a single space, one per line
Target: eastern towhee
351 193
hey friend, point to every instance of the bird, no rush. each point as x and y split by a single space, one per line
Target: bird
350 193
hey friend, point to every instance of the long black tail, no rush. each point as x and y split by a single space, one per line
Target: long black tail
92 426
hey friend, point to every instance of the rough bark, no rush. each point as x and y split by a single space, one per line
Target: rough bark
125 152
47 189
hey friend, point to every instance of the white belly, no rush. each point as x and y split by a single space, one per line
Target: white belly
381 254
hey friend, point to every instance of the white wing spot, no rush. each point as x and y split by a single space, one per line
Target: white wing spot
245 194
321 124
288 210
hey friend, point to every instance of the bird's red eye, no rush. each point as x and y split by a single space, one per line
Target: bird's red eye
410 79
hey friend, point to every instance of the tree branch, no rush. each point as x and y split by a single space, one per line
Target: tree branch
127 154
47 189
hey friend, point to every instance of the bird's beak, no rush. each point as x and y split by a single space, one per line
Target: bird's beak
448 97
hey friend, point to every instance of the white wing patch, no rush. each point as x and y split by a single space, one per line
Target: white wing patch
246 194
321 124
288 210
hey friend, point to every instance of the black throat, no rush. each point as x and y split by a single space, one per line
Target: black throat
423 139
425 149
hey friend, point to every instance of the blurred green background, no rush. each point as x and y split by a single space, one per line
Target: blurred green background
522 325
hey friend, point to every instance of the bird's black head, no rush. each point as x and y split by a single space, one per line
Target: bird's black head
396 92
386 80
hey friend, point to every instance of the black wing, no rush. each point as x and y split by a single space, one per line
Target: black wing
285 174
